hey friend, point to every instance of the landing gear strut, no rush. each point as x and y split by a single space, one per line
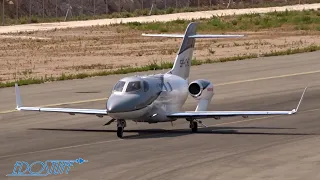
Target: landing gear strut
194 126
121 124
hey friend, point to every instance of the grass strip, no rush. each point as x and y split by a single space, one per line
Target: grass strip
295 20
145 12
155 66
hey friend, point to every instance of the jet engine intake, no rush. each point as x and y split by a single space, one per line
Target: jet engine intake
201 89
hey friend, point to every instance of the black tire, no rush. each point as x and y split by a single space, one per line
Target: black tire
120 132
194 127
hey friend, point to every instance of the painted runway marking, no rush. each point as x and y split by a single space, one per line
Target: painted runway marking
222 84
116 140
267 78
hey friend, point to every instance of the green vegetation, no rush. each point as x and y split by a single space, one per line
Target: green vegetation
155 66
295 20
145 12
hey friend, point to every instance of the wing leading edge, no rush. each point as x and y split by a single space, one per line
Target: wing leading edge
71 111
210 114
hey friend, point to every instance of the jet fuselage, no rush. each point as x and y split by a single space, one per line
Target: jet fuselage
147 98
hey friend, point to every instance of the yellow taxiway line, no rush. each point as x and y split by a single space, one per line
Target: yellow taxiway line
221 84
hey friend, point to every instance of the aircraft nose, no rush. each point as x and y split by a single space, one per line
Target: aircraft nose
122 103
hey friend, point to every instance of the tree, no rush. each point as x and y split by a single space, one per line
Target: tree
230 1
2 12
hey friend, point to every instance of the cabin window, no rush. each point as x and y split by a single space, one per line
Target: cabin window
145 86
170 87
133 86
164 87
119 86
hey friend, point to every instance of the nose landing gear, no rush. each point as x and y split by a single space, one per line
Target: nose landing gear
121 124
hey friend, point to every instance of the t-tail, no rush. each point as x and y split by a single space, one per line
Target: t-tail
182 63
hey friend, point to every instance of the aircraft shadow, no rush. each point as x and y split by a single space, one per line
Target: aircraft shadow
160 133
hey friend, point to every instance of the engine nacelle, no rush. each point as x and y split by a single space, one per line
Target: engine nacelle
201 89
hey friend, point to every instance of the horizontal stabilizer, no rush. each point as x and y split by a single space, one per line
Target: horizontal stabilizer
216 36
165 35
196 35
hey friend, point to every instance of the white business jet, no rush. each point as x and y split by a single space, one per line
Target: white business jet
160 97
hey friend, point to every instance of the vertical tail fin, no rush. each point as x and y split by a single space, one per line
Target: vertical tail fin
182 63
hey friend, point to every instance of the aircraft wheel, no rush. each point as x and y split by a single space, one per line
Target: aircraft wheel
194 126
120 132
121 123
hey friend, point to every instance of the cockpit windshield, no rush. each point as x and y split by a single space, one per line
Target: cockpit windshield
133 86
119 86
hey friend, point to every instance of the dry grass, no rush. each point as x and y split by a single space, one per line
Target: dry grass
88 50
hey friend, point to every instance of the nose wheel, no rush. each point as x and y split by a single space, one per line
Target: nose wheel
121 124
194 126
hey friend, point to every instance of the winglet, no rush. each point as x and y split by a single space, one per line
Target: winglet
18 97
296 110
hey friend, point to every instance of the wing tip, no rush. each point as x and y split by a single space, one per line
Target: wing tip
18 97
301 98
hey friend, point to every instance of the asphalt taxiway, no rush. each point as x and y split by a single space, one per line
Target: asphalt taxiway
264 147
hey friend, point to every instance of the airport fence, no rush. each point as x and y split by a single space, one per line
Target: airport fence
33 11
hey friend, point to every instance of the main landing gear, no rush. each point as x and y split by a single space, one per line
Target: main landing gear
194 126
121 124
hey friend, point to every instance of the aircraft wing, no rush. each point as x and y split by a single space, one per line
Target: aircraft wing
210 114
71 111
217 114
